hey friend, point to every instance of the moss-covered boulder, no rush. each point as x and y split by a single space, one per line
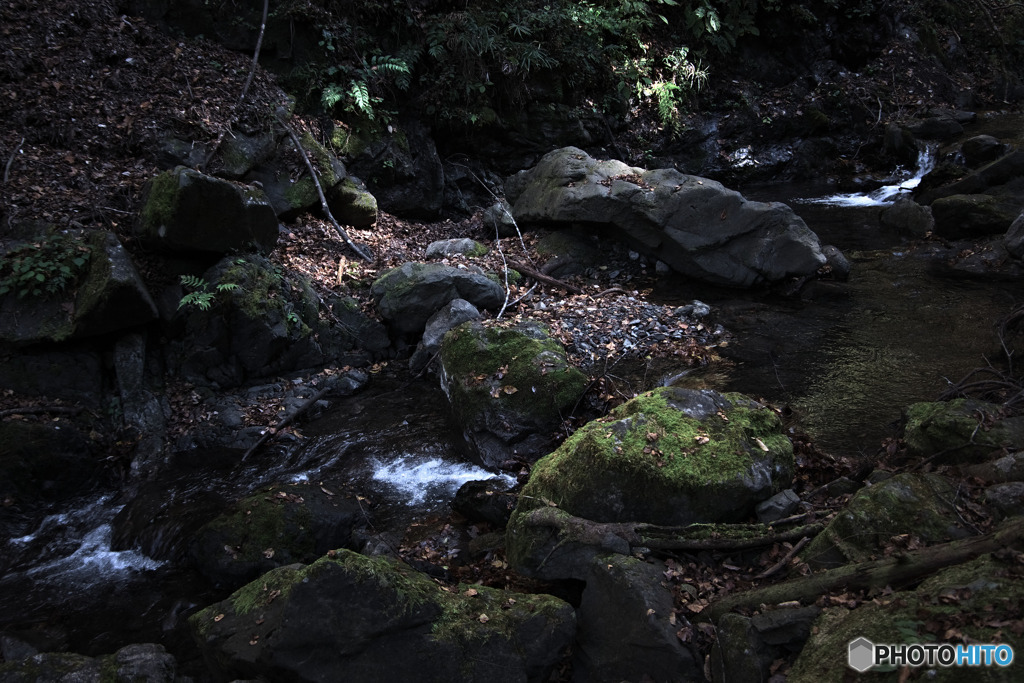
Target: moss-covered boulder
273 527
354 618
352 204
148 662
63 285
671 456
246 318
970 603
961 431
907 504
509 388
185 210
408 295
966 216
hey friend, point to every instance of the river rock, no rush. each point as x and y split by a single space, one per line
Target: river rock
695 225
960 431
1007 499
671 456
917 504
273 527
981 149
627 627
105 296
485 501
906 217
746 647
354 618
148 662
509 388
408 295
1015 237
967 216
461 245
185 210
454 314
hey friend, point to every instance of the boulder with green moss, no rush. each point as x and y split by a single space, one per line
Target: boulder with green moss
921 505
354 618
185 210
961 431
671 456
82 284
148 662
247 318
969 603
509 388
273 527
407 296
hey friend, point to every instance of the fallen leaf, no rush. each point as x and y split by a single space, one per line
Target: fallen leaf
471 593
218 617
761 444
483 618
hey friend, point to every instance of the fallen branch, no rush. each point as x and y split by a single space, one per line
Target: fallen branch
896 571
320 191
56 410
285 421
781 564
693 537
7 168
546 279
255 54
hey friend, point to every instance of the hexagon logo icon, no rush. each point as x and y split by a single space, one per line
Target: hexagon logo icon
861 654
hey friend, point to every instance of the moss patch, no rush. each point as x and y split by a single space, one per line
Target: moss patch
161 203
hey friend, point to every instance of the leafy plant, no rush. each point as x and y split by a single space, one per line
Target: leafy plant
45 267
202 295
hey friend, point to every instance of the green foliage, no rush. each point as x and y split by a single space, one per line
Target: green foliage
202 295
45 267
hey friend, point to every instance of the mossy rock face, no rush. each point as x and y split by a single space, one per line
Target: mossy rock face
963 430
351 203
508 387
372 619
273 527
185 210
918 504
672 456
975 599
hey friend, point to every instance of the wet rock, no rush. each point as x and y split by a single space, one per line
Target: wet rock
485 501
49 460
351 617
967 216
408 295
627 628
184 210
1007 499
74 373
671 456
839 266
981 149
695 225
357 334
508 387
911 504
454 314
907 217
498 219
274 527
1007 468
960 431
141 662
1015 237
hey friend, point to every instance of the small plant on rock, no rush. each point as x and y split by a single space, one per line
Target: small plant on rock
202 294
45 267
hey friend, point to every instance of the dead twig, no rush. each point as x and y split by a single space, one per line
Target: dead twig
320 191
546 279
255 54
14 153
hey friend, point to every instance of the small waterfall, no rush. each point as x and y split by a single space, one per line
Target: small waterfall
885 194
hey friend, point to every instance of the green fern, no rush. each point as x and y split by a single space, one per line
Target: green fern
202 298
359 92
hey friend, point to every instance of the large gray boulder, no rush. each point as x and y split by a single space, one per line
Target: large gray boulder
185 210
407 296
354 618
695 225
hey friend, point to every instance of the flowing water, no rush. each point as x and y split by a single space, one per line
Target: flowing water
846 361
